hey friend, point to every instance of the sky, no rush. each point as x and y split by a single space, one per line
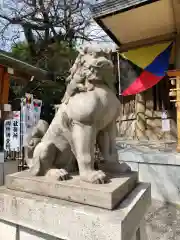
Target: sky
12 30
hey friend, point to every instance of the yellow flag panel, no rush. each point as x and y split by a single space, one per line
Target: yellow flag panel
144 56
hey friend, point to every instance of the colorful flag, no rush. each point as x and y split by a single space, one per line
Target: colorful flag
37 110
27 120
143 68
30 114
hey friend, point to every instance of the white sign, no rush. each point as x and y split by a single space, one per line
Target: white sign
12 135
15 135
166 125
165 122
7 135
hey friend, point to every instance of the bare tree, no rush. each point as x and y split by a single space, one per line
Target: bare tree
51 29
43 22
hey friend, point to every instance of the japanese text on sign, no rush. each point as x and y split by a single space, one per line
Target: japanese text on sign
12 135
7 135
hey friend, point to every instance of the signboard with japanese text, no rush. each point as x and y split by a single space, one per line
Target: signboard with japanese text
15 135
20 126
12 135
7 135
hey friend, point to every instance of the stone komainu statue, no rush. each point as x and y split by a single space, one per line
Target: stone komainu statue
86 116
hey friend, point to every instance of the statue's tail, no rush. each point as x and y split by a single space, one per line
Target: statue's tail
34 139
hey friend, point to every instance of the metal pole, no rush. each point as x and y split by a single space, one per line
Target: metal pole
119 73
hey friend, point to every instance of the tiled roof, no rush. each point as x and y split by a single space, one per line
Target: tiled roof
110 6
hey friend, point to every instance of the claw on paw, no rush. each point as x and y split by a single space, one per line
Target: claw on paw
57 174
95 177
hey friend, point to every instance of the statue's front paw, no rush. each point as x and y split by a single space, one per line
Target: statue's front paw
57 174
95 177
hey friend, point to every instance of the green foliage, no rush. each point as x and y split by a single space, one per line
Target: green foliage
21 52
57 58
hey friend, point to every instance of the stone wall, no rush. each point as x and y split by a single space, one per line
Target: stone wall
157 163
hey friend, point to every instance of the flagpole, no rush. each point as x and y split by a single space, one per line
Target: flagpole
119 73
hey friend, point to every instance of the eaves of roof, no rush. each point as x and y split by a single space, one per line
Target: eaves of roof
110 7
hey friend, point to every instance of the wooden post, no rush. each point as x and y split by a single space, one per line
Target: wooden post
177 65
1 92
4 89
174 75
140 116
178 112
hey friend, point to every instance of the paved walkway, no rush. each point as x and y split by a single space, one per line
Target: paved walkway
1 157
163 222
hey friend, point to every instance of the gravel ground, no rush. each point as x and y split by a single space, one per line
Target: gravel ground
163 222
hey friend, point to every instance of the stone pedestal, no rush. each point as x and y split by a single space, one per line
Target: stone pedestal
106 196
26 216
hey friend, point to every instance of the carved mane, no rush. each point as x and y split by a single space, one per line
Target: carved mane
98 61
92 66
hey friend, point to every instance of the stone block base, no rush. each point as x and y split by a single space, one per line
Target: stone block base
106 196
11 231
26 216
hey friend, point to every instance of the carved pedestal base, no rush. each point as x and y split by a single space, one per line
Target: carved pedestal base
106 196
29 216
